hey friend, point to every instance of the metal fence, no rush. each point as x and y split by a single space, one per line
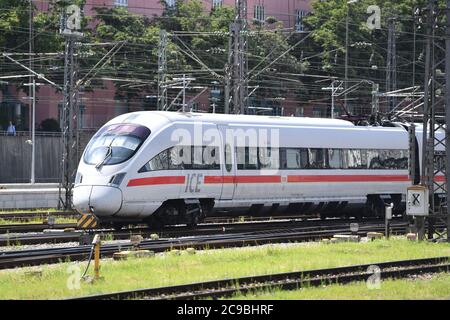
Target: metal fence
28 134
15 156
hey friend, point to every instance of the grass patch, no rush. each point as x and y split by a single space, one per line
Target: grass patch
35 221
436 286
56 280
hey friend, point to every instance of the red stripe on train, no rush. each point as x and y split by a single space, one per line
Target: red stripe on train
272 179
349 178
218 179
242 179
156 180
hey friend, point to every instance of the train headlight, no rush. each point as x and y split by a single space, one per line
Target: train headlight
117 179
78 178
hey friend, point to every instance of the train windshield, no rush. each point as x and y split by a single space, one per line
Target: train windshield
115 144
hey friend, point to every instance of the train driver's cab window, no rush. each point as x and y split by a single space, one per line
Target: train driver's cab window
115 144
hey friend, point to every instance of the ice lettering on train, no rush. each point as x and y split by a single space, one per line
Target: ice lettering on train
193 182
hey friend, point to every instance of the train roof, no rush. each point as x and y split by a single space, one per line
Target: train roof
149 116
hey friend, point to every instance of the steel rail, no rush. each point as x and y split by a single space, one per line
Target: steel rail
39 227
33 227
174 231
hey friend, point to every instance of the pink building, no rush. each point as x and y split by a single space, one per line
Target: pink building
99 106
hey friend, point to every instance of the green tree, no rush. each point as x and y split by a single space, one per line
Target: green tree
14 20
367 50
138 58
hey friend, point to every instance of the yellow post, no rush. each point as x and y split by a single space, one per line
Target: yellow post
97 257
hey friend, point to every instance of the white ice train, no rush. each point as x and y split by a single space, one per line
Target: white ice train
168 167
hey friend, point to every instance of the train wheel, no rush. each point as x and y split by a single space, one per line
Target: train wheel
194 215
155 223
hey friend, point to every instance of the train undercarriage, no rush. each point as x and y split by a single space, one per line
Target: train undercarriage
193 211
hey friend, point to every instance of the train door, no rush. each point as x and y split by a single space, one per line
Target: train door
228 165
203 172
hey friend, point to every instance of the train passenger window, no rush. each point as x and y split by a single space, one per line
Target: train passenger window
387 158
392 159
373 159
304 158
184 157
364 159
247 158
211 157
158 162
204 158
317 158
335 158
294 158
240 158
251 158
402 162
283 159
197 157
401 159
269 158
355 159
228 158
176 158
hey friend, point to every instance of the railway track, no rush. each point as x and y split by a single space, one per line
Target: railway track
19 258
39 227
177 231
33 227
285 281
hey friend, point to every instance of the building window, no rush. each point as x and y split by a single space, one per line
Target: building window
170 3
217 3
259 13
121 3
317 112
299 26
193 107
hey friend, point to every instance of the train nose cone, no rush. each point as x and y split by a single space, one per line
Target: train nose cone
101 200
105 201
80 199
